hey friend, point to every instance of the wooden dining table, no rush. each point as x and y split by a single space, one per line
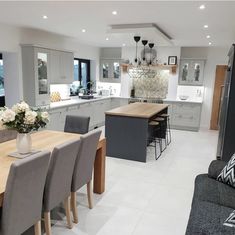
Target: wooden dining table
47 140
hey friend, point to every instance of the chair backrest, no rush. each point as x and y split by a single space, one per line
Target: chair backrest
85 160
22 204
77 124
6 135
59 177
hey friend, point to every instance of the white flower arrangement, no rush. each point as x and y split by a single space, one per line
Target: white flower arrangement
22 118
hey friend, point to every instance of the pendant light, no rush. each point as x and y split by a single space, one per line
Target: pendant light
137 39
144 42
151 45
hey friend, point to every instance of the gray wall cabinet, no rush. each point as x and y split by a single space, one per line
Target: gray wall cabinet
36 76
191 72
110 70
42 67
61 67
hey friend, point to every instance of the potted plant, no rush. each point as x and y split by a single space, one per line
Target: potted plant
24 120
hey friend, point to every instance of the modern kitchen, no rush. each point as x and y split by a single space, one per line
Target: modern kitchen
152 85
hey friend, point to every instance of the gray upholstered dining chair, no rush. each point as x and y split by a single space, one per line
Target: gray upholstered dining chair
58 181
82 174
22 204
77 124
6 135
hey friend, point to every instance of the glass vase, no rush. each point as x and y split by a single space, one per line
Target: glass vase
24 143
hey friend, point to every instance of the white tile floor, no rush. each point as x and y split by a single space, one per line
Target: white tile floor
147 199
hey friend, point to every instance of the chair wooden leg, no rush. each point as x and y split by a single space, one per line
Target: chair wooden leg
47 221
37 228
89 195
74 207
67 204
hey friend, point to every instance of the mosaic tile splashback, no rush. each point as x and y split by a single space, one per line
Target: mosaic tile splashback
152 84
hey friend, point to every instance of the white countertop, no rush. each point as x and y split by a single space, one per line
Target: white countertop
75 100
196 100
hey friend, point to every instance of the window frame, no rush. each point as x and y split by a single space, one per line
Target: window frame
88 62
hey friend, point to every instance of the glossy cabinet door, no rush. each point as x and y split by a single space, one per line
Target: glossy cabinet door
110 70
61 67
55 66
66 67
42 81
57 119
184 115
191 72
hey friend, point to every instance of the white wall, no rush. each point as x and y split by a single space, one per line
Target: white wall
162 56
12 37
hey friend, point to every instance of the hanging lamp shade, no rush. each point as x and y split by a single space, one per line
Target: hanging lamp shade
144 42
151 45
137 38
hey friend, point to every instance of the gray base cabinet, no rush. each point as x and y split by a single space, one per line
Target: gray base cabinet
95 109
185 116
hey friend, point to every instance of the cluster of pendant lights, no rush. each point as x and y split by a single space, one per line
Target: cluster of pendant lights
144 42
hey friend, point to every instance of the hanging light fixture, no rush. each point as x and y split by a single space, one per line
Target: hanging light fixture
144 42
137 39
151 45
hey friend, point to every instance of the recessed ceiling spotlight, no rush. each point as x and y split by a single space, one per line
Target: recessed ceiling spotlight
123 44
210 43
205 26
114 12
202 7
208 36
83 30
106 39
45 17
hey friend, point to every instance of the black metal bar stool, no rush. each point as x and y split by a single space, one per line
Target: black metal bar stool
163 126
154 130
168 127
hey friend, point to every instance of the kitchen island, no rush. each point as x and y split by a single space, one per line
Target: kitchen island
126 129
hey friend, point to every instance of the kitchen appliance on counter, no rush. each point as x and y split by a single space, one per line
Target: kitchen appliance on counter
226 146
86 97
145 100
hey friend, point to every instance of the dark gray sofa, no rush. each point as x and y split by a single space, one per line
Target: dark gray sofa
212 203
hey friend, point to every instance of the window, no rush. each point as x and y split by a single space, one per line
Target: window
1 76
2 93
82 72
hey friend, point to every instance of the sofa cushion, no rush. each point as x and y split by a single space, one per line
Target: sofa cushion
230 221
215 168
211 190
227 175
207 218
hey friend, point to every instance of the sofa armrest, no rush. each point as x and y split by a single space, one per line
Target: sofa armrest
215 168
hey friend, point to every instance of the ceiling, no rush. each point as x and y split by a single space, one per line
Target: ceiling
181 20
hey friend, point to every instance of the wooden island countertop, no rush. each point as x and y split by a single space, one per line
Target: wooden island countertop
139 110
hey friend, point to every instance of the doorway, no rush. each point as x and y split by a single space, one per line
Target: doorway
220 76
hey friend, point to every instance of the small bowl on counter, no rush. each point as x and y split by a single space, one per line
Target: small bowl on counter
183 97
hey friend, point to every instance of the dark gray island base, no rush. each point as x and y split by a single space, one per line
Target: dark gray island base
126 130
